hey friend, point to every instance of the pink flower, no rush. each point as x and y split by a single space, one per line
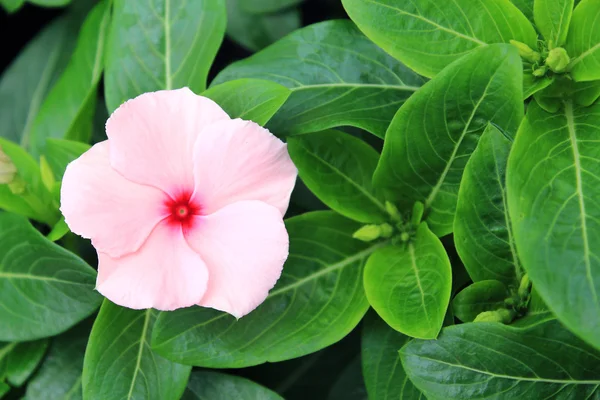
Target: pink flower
183 204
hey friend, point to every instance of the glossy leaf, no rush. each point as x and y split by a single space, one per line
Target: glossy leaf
479 297
204 385
44 289
250 99
433 134
552 18
482 231
541 361
161 45
68 110
583 41
119 363
428 35
268 6
384 375
337 168
337 77
317 301
60 152
19 360
552 183
409 285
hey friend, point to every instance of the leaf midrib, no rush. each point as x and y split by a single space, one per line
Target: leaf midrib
406 88
140 352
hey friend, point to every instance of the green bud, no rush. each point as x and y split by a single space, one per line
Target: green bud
526 52
47 175
502 315
524 287
541 71
392 210
17 186
8 170
417 213
368 233
558 60
386 230
404 236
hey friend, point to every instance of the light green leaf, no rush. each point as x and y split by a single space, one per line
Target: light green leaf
384 375
44 289
428 35
19 360
586 93
250 99
205 385
50 3
119 363
59 230
564 89
164 44
433 134
317 301
337 168
552 184
409 285
526 7
532 84
482 231
479 297
69 108
268 6
488 360
29 78
255 32
583 41
349 385
337 77
60 152
552 18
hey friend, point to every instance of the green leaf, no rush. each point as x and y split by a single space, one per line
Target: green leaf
60 152
337 168
526 7
19 360
163 44
564 89
58 231
428 35
44 289
532 84
552 184
29 78
384 375
204 385
349 385
318 300
479 297
337 77
11 6
433 134
482 231
59 377
255 32
586 93
409 285
489 360
552 18
250 99
119 363
69 108
583 41
268 6
50 3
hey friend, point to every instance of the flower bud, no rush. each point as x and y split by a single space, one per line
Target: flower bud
8 170
368 233
502 315
526 52
558 60
524 287
392 210
539 72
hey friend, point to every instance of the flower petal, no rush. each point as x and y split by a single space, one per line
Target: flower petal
100 204
165 273
152 137
244 246
238 160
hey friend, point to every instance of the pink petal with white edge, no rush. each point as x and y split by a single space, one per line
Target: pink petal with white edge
244 246
100 204
239 160
152 137
165 273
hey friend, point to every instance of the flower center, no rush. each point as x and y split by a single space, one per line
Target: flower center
182 210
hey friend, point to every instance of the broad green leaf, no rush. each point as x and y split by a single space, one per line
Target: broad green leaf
11 6
337 77
4 388
526 7
479 297
409 284
564 89
50 3
205 385
488 360
532 84
428 35
433 134
68 110
119 363
255 32
482 231
337 168
44 289
163 44
27 81
384 375
586 93
268 6
19 360
583 41
60 152
552 184
317 301
250 99
552 18
349 385
59 377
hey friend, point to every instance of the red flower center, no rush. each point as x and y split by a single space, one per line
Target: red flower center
182 210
